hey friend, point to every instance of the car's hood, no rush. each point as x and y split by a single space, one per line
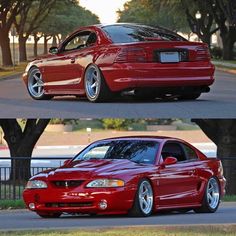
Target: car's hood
96 168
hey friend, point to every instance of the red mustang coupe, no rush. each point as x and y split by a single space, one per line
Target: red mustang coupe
103 60
135 175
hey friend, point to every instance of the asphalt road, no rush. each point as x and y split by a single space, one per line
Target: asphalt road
12 220
219 103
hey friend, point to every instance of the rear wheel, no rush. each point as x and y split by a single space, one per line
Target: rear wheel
35 85
190 96
143 202
95 85
211 199
48 215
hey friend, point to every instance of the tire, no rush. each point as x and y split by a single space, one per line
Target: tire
211 199
48 215
35 85
190 96
141 209
95 85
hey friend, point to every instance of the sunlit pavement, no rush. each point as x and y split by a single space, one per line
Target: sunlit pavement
23 219
219 103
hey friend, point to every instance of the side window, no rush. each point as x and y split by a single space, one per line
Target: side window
97 152
189 152
81 40
173 150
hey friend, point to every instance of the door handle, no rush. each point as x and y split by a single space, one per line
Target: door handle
72 60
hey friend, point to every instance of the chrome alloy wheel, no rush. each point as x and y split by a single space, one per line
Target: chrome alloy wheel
145 195
35 84
92 82
213 193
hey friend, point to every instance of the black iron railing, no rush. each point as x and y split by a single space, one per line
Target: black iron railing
11 186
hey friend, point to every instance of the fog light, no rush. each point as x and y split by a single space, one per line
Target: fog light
102 204
32 206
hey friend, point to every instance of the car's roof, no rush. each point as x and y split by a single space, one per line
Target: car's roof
157 138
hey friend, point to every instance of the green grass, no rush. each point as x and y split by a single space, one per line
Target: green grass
229 198
212 230
230 61
11 204
9 71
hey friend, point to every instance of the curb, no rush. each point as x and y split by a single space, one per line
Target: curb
10 77
230 71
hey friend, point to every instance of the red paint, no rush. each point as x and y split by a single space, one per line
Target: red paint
178 185
124 66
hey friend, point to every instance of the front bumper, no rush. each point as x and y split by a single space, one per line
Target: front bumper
119 200
124 76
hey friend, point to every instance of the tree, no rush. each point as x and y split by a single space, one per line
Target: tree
21 142
203 27
154 13
9 9
224 12
31 16
65 18
222 133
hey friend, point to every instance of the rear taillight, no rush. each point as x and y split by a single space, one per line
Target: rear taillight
203 54
137 55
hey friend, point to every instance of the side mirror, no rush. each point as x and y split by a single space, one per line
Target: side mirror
170 161
53 50
66 162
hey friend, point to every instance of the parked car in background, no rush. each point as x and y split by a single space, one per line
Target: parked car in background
129 175
102 61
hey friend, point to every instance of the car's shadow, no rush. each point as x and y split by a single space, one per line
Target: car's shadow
120 216
126 99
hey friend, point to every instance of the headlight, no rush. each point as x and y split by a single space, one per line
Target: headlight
106 183
36 184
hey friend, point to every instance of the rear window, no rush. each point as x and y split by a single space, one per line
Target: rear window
137 33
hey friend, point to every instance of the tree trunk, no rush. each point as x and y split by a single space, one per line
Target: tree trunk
54 41
206 38
228 45
226 151
36 39
21 143
22 48
45 45
222 133
6 49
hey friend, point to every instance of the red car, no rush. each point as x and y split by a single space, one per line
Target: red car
135 175
104 60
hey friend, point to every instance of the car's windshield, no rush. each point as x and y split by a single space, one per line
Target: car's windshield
140 151
137 33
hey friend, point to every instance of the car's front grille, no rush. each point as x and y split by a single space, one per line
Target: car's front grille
67 183
74 204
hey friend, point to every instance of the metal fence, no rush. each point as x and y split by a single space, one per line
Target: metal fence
11 187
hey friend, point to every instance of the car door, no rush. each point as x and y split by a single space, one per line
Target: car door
178 183
63 72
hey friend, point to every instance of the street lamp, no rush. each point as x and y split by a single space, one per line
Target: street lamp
198 16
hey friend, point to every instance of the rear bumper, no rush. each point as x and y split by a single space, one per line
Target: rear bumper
124 76
119 200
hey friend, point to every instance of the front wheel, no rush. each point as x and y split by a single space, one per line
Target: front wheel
95 85
211 199
35 85
143 202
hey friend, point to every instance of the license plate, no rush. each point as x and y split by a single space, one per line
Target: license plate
168 57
